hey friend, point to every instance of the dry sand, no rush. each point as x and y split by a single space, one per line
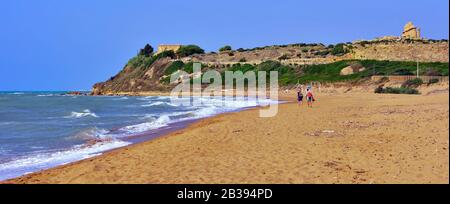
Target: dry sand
345 138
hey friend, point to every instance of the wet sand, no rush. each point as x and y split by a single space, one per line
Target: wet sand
344 138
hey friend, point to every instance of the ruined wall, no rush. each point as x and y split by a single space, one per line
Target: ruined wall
403 51
410 31
163 48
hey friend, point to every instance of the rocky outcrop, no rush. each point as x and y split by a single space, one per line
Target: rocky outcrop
352 69
144 78
132 79
416 50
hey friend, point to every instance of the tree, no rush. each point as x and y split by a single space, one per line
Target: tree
146 51
339 49
166 53
189 50
225 48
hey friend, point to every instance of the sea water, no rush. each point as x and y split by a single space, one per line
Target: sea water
40 130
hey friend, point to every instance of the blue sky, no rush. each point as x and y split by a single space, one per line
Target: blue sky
70 45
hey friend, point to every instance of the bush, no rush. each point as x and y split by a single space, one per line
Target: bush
392 90
433 81
241 67
322 53
167 53
269 66
412 83
402 72
339 49
225 48
379 89
243 60
241 50
146 51
189 50
189 67
283 57
175 66
432 72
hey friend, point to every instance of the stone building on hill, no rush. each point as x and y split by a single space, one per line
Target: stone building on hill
410 31
162 48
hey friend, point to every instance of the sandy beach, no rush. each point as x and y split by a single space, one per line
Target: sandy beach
345 138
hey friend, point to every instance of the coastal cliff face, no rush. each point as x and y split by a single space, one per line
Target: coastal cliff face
147 74
134 79
421 51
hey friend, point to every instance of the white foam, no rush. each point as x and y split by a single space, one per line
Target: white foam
159 103
93 133
121 98
42 161
45 95
160 122
85 113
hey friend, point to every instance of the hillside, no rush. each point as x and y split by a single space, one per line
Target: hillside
296 63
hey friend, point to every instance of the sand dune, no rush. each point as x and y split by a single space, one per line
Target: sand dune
345 138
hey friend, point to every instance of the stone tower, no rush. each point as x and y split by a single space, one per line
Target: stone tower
411 32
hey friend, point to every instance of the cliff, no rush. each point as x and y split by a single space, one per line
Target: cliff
135 79
419 50
150 73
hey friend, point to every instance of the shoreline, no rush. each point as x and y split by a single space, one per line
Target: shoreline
152 159
137 138
144 137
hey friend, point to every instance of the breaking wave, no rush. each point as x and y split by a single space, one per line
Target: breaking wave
43 161
85 113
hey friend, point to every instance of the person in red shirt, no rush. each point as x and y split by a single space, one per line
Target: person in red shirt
309 98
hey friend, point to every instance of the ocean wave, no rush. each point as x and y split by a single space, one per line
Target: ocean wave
121 98
42 161
93 133
7 123
17 93
85 113
160 122
147 98
45 95
159 103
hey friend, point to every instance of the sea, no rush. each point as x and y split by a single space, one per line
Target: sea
41 130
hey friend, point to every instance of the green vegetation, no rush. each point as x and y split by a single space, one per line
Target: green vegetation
286 74
146 51
289 75
225 48
331 72
143 61
189 50
175 66
167 53
401 90
412 83
339 49
433 81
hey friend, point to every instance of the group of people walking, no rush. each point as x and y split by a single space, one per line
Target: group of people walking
309 96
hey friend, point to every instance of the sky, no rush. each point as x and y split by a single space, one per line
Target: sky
71 45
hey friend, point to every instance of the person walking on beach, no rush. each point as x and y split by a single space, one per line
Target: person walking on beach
309 97
300 97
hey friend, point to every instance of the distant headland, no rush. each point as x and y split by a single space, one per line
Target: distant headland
150 71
